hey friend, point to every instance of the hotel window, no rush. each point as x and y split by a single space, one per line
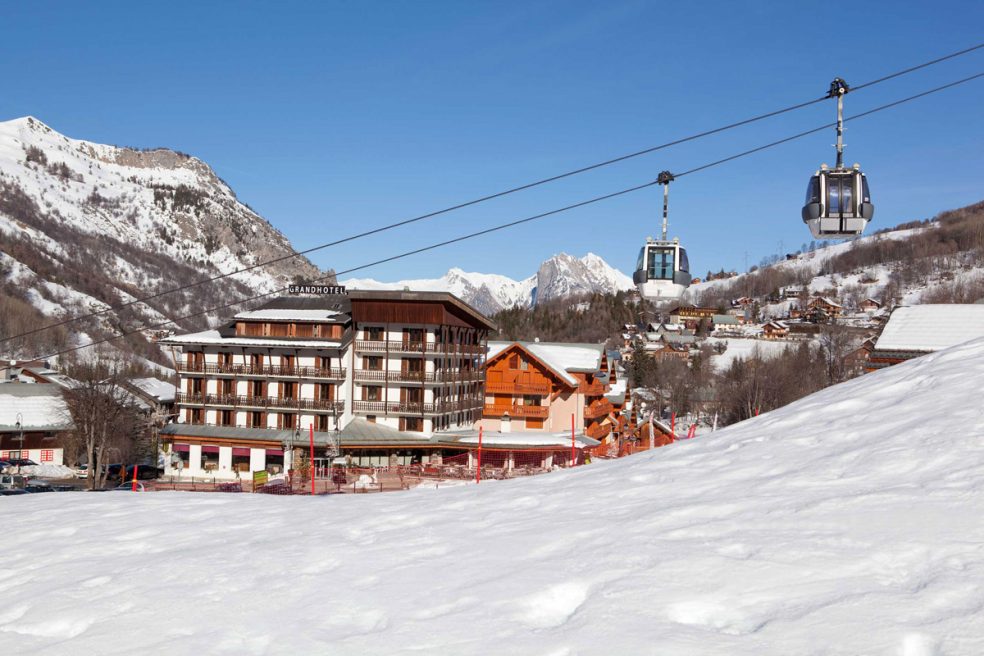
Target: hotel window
288 421
372 393
47 455
225 418
324 362
196 416
256 419
322 423
414 424
288 390
371 419
374 333
325 391
372 363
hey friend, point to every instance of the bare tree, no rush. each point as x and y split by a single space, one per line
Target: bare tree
105 416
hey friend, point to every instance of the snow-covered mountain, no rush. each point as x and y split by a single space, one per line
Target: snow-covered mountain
560 276
86 225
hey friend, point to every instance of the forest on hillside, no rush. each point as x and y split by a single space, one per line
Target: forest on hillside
954 241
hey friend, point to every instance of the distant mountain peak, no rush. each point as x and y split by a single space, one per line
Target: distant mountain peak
559 276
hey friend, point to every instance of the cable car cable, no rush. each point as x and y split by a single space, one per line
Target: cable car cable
529 219
500 194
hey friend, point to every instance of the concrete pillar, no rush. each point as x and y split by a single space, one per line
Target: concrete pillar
195 459
257 459
225 461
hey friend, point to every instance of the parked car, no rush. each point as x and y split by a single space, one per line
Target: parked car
38 486
3 465
128 487
144 472
22 462
10 482
113 470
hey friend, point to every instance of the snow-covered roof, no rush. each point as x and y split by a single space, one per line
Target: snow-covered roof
931 327
289 315
154 388
214 337
40 406
560 357
524 438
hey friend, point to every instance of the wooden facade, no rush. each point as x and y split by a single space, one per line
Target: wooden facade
524 393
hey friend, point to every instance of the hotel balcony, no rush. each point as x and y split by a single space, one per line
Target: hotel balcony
261 402
600 408
265 371
398 347
432 377
413 408
530 411
517 388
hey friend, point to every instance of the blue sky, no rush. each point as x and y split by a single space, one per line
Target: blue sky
330 118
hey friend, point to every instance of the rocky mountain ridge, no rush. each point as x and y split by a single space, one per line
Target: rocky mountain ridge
84 226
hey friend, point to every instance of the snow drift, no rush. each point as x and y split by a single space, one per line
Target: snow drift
846 523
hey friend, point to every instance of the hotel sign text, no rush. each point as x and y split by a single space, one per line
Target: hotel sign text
317 289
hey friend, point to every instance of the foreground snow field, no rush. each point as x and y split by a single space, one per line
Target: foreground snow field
847 523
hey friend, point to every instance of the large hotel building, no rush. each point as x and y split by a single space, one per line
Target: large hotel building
388 371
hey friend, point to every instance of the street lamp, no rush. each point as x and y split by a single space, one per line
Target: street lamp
20 428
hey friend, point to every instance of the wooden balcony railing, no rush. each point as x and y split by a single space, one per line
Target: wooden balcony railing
518 388
592 389
598 431
531 411
337 373
597 409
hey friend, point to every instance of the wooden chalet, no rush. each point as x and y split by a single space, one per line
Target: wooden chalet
538 386
775 330
832 308
869 305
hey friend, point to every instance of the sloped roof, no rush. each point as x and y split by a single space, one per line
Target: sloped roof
156 389
931 327
559 357
271 314
41 407
215 337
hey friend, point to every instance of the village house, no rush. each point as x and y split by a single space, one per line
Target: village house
34 422
869 305
775 330
921 329
690 315
832 308
384 375
540 386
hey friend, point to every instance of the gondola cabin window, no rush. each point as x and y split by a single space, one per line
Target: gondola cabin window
660 265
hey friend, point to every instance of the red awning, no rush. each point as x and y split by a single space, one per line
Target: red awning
210 449
240 451
182 447
274 452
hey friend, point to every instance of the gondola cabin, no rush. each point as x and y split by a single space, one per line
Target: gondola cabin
838 203
662 271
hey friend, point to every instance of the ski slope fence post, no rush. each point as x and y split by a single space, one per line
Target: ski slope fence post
573 457
311 459
133 486
478 463
673 426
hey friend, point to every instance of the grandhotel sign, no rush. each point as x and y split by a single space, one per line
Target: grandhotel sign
320 290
